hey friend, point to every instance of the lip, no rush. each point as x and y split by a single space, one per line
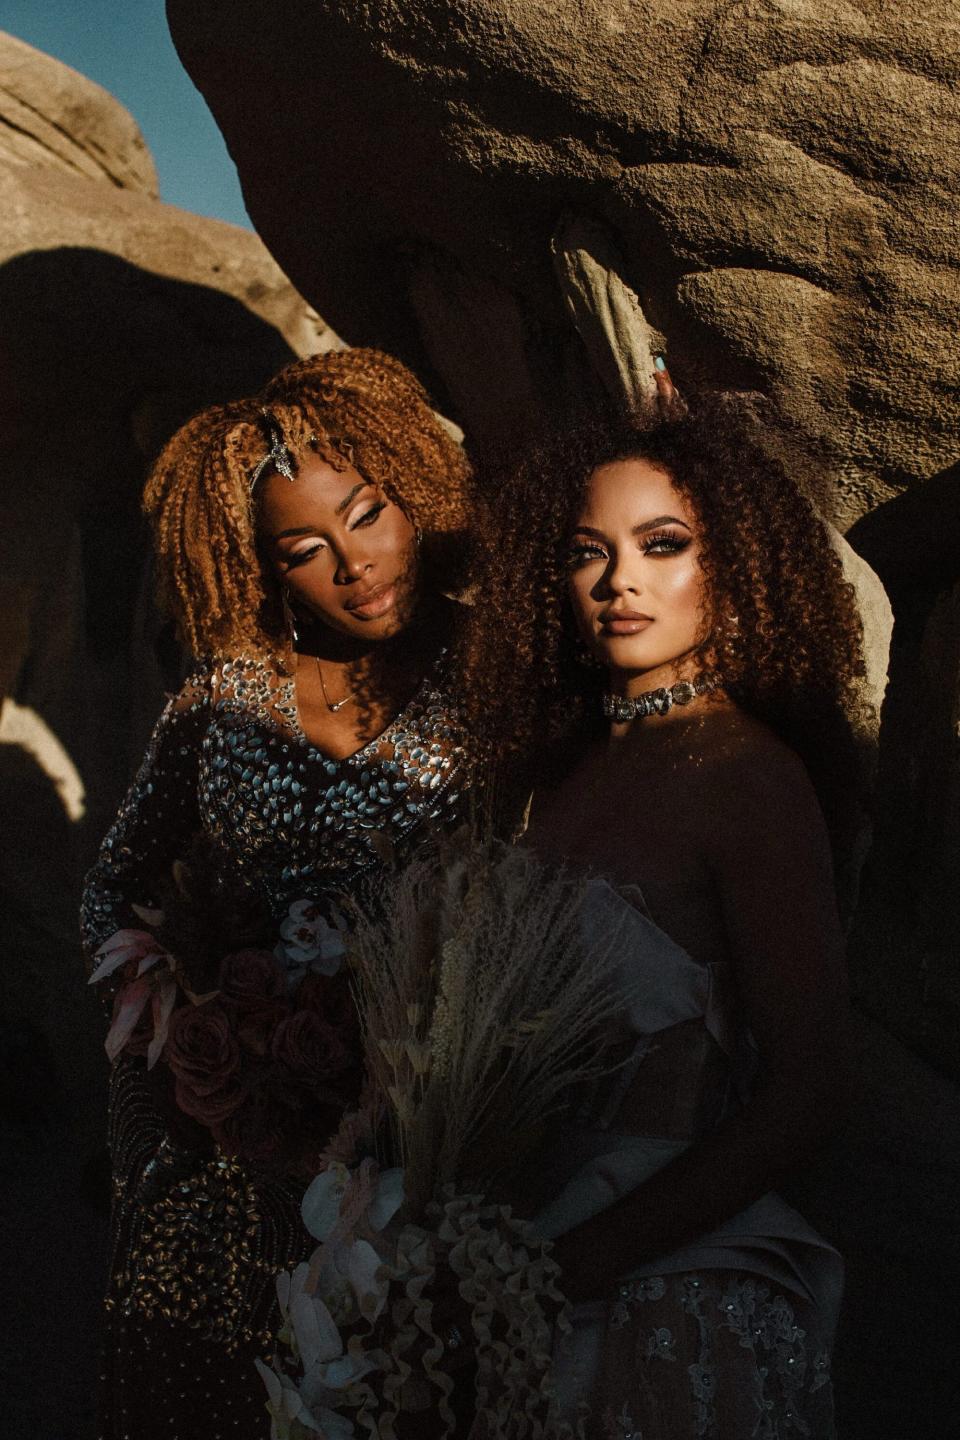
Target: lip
373 603
624 622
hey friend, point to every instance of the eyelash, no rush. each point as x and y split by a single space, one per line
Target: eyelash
369 517
671 543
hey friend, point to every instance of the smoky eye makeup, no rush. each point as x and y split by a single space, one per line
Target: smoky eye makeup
582 551
665 542
293 558
369 514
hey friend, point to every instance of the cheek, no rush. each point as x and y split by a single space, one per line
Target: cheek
687 595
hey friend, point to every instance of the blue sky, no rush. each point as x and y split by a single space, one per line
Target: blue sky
125 46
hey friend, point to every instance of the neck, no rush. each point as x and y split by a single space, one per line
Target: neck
660 704
366 659
631 683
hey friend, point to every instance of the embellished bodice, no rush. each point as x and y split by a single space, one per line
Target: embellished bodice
229 759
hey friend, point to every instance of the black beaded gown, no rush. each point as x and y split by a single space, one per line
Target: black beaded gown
229 761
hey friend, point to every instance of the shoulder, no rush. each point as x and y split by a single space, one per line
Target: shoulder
759 786
195 692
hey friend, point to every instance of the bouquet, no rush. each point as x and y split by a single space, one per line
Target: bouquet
257 1030
484 1009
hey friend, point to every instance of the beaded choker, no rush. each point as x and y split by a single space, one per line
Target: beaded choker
657 702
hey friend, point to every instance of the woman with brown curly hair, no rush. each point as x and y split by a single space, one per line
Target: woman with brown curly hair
662 609
305 540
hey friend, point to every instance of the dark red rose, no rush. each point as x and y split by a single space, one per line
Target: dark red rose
257 1025
249 977
210 1107
329 997
312 1049
260 1129
202 1050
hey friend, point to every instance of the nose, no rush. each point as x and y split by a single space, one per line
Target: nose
351 565
623 574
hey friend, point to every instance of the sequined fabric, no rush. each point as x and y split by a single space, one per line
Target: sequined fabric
229 757
197 1239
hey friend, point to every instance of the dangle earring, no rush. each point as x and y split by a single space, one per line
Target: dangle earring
289 616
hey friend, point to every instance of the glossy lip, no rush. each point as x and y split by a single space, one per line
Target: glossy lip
373 603
624 622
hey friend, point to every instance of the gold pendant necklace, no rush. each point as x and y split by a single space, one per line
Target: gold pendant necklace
339 704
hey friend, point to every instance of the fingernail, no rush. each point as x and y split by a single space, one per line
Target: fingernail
659 363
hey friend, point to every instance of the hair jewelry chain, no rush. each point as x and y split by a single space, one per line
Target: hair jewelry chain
658 702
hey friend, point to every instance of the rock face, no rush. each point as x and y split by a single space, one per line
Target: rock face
54 117
778 178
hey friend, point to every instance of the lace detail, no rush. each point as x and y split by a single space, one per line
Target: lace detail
742 1362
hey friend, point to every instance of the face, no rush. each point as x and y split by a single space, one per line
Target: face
635 581
344 552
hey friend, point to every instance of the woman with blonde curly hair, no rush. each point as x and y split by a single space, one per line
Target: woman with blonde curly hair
668 648
306 539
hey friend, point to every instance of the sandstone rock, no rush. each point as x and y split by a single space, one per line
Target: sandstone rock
121 317
779 177
53 117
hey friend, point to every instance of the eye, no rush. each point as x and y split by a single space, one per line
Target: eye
583 553
665 542
369 516
300 557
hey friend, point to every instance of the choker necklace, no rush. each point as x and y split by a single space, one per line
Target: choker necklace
339 704
658 702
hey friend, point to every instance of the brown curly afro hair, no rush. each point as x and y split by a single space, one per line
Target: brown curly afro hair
353 407
781 627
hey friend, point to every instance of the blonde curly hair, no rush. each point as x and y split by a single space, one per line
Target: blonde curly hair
352 407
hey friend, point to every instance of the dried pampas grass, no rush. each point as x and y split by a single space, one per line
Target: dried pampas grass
485 1006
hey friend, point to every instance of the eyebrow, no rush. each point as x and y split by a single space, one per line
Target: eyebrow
637 529
311 529
355 491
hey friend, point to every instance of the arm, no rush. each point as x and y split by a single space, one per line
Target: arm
155 823
770 858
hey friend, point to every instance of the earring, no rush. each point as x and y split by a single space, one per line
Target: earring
289 616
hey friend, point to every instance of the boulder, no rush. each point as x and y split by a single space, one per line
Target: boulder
777 176
51 116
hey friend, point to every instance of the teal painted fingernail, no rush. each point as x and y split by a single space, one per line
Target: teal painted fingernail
659 363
